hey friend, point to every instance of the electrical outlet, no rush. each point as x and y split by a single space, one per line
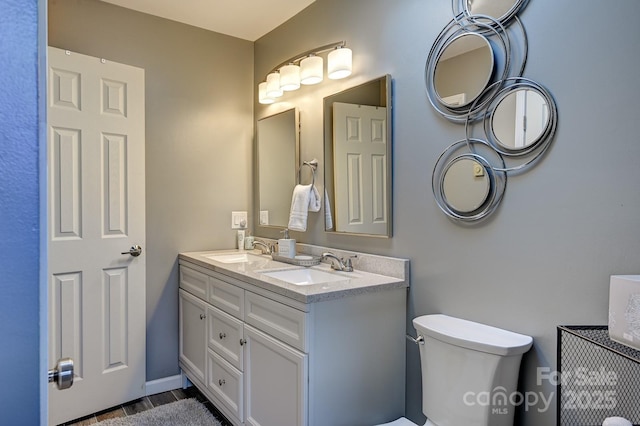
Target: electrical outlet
264 217
238 220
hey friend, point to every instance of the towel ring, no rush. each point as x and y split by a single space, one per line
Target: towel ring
313 164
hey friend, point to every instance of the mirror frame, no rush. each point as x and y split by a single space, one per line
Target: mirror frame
353 95
258 166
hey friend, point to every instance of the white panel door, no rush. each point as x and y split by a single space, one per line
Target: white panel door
96 211
360 168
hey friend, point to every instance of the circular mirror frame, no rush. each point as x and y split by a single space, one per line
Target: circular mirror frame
540 144
484 26
497 179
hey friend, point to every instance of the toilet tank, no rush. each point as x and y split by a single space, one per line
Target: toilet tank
469 371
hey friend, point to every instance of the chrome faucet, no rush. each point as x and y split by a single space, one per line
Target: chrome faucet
264 248
339 264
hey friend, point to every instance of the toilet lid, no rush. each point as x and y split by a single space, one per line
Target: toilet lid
472 335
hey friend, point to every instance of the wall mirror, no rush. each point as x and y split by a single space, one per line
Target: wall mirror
465 185
463 69
358 159
278 156
469 180
519 119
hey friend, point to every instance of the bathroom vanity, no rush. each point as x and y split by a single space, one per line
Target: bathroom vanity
267 351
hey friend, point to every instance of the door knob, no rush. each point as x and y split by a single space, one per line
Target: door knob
134 251
62 374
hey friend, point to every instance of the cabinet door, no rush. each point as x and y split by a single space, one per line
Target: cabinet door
276 378
193 337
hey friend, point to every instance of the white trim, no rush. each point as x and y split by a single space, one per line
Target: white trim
164 384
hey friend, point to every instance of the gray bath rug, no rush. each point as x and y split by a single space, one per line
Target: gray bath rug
185 412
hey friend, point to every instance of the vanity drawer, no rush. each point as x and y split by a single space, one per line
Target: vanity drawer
194 282
225 381
225 335
280 321
226 297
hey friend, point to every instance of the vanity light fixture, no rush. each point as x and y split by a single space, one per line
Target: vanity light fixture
306 68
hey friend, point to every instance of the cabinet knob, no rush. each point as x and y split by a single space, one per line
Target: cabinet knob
223 335
221 382
202 316
243 341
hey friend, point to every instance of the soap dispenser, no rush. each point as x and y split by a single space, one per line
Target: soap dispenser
286 245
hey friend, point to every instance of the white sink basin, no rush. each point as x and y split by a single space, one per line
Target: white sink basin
305 276
234 257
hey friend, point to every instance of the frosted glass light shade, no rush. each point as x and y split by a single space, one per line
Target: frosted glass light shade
339 63
262 94
273 85
290 77
311 70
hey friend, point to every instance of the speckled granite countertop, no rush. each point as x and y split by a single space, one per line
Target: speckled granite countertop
371 273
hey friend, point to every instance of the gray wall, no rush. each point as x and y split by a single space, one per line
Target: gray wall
199 132
20 304
545 257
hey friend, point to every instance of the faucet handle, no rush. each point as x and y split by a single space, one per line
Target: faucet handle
348 266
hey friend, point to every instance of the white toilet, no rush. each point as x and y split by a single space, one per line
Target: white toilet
469 372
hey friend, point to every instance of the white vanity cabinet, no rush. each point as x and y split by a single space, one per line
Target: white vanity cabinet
266 360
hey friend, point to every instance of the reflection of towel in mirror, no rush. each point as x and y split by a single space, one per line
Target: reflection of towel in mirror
328 219
305 198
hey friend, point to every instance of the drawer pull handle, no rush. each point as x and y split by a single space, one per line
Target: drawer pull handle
223 335
221 382
243 341
202 316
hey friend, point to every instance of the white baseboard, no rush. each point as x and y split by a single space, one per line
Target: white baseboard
165 384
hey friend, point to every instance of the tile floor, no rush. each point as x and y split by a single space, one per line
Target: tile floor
146 403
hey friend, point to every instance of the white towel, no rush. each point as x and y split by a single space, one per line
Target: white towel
315 202
300 207
328 219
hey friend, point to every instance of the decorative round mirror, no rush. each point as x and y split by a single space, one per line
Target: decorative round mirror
519 119
463 69
465 184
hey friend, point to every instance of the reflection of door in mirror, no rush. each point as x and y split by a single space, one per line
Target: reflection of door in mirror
360 167
278 155
520 119
374 94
